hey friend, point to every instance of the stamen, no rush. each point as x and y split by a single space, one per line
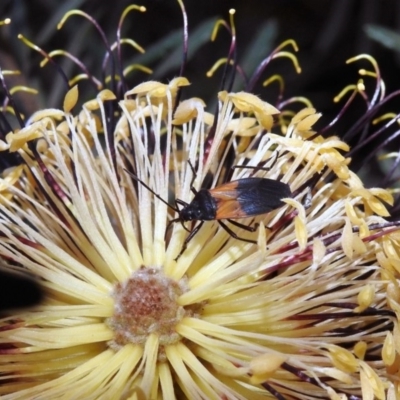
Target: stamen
126 11
46 56
102 35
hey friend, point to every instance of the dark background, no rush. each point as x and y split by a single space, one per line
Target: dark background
327 32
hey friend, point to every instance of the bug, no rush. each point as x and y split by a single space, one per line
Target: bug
241 198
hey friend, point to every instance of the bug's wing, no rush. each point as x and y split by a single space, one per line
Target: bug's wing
227 191
227 205
249 197
261 195
230 209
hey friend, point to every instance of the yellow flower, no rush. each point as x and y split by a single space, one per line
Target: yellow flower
306 309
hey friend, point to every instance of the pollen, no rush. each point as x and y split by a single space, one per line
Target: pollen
145 304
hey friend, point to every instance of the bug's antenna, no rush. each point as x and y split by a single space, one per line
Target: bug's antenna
276 155
152 191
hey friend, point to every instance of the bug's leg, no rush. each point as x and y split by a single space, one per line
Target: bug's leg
189 238
180 202
243 226
184 227
233 234
169 225
276 155
184 204
193 178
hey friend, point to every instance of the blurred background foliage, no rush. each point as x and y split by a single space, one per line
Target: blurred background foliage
327 32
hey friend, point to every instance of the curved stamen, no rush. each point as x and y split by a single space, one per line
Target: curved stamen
378 88
256 76
99 30
185 47
120 41
46 56
94 81
11 100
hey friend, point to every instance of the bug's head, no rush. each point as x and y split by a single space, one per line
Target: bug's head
191 212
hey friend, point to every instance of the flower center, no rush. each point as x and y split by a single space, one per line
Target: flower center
147 304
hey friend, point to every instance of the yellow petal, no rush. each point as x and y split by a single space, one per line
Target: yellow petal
347 239
374 387
265 120
18 140
179 82
188 110
91 105
365 298
11 176
71 98
241 125
308 122
153 88
335 143
302 114
262 367
343 359
360 349
106 95
47 113
337 375
388 350
247 102
300 223
319 251
382 194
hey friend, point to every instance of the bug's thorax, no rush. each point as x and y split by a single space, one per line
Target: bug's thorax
202 207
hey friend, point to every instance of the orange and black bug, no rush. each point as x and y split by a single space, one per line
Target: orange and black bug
242 198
